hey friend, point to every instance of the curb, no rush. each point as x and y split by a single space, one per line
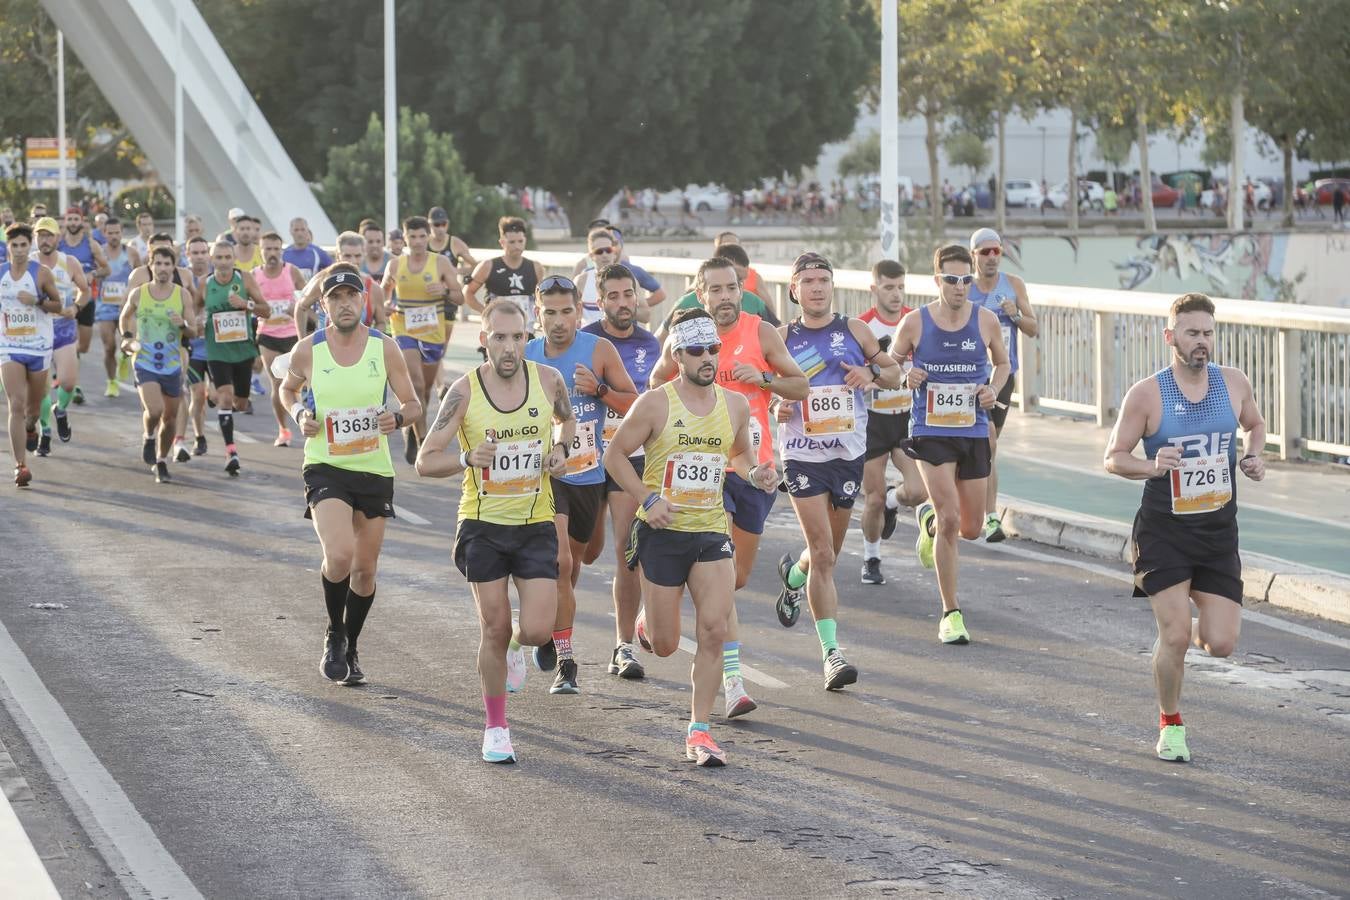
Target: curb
1265 579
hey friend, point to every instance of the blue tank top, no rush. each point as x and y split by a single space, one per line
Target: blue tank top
1204 429
831 423
950 358
585 457
114 288
993 301
80 251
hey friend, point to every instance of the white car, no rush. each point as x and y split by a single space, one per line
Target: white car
1096 194
702 198
1262 195
1022 192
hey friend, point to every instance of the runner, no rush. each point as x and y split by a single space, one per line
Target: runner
509 275
112 294
689 432
348 475
247 254
602 251
307 257
501 415
887 427
75 296
423 282
199 388
596 381
78 242
308 315
824 438
376 258
230 300
190 282
639 351
153 322
29 301
443 243
749 303
397 245
1185 533
952 344
145 228
278 282
1006 297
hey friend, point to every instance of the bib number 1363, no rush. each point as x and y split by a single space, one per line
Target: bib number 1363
352 431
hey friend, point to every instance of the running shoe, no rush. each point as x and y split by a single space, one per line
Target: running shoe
624 663
162 473
334 663
22 477
703 750
515 669
789 605
952 629
199 447
354 673
1172 744
62 425
839 672
283 438
888 516
30 442
993 529
44 446
257 387
738 701
77 396
640 629
871 571
113 389
410 446
566 680
123 368
497 746
923 545
232 467
148 451
545 657
180 452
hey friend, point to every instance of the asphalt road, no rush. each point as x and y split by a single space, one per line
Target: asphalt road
186 653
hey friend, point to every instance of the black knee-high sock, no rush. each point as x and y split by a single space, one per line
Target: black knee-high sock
226 420
358 608
335 597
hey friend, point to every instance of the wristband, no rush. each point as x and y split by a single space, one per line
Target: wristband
298 409
398 419
1248 456
650 501
464 460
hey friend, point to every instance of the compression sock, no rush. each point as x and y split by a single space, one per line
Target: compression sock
562 642
335 598
871 549
63 398
698 726
825 630
796 577
358 608
1164 719
226 420
45 413
731 660
495 707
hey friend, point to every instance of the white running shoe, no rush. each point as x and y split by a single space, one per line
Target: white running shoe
515 669
738 701
497 746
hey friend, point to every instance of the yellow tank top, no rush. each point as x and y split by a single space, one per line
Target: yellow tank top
686 464
418 315
514 490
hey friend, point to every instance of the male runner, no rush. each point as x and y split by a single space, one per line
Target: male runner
755 363
443 243
278 282
112 293
153 321
79 243
29 300
1185 533
397 244
601 249
350 248
887 427
348 475
199 266
376 258
749 302
230 301
145 227
501 414
307 256
752 281
1006 297
952 343
824 439
596 381
247 254
423 282
75 296
509 275
690 432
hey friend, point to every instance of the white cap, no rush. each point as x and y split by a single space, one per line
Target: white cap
984 234
234 213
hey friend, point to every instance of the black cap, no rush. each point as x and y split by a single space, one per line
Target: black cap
342 279
438 214
810 260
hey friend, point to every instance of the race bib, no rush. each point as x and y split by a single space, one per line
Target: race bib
422 322
516 470
352 431
582 454
829 410
230 326
113 291
694 480
1201 485
756 435
279 311
612 421
892 403
951 405
21 321
1008 338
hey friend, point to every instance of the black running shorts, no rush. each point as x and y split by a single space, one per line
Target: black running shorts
487 552
371 494
971 455
1164 557
667 557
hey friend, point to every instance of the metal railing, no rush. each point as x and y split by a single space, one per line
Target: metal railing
1095 343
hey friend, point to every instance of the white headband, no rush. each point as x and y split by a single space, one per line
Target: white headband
697 332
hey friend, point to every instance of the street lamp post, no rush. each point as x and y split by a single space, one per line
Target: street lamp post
390 123
888 226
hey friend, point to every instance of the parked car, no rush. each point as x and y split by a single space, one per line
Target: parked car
1325 187
1096 195
1262 194
1022 192
1164 195
702 198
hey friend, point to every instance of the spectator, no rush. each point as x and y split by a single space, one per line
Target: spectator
1338 204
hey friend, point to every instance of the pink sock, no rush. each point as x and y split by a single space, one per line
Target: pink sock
230 448
496 710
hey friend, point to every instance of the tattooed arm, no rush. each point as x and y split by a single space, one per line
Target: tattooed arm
437 458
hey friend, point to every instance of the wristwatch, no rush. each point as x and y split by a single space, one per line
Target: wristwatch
766 377
398 419
602 390
874 369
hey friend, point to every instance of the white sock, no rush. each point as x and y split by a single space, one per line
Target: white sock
892 499
871 549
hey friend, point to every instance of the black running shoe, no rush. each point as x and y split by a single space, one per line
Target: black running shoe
623 663
545 657
789 605
232 467
199 449
162 473
182 455
888 519
77 396
566 680
62 426
148 451
44 446
871 572
838 672
410 446
354 673
334 664
30 439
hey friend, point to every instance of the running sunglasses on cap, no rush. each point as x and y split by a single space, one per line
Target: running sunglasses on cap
555 282
696 352
990 251
957 279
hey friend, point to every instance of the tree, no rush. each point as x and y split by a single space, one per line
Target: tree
430 173
863 157
966 149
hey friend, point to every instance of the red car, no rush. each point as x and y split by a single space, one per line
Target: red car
1164 197
1325 187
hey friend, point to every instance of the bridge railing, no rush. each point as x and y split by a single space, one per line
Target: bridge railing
1095 343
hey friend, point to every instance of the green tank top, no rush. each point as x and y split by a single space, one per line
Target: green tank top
347 402
229 331
156 333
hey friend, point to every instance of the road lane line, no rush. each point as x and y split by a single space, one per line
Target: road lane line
122 837
21 871
751 673
407 516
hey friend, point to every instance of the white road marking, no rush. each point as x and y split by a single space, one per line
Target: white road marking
751 673
21 871
407 516
124 839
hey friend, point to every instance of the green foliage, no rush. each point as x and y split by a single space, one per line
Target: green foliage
1114 142
966 149
430 173
862 158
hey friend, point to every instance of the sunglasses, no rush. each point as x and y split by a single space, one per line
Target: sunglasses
990 251
696 352
602 251
957 279
554 282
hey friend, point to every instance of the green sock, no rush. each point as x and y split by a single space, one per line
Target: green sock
63 398
45 412
796 577
825 630
731 660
